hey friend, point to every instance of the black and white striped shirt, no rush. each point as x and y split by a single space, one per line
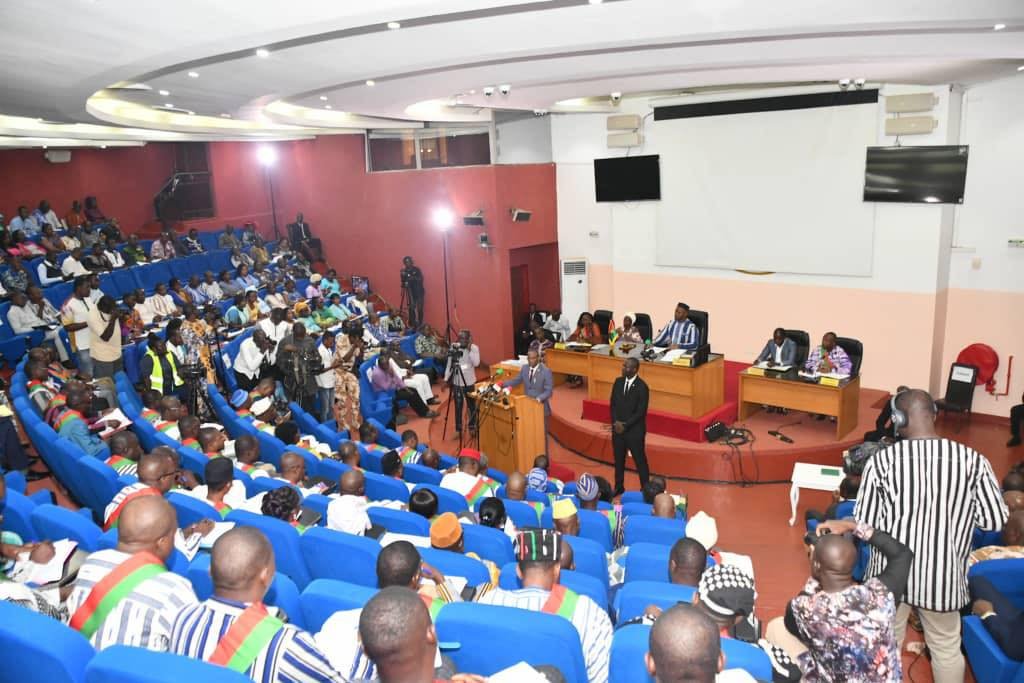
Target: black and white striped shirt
930 494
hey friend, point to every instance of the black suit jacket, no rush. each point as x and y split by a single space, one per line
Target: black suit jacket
630 408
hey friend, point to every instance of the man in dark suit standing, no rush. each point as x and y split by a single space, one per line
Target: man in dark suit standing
629 422
537 384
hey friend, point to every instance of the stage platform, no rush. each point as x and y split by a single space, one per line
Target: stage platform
766 459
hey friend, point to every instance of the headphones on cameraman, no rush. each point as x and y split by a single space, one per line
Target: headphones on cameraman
899 417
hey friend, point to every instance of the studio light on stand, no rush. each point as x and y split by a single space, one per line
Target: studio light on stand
267 157
443 219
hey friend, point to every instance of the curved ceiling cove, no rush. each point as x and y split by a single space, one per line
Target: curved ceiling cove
129 71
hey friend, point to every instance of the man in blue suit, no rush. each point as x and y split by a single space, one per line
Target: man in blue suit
780 350
537 384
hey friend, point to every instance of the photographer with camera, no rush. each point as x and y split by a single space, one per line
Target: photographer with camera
253 361
104 322
299 364
412 283
460 373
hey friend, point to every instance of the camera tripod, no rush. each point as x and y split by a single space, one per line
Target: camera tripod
454 356
194 395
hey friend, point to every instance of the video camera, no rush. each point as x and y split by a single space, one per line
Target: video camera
857 457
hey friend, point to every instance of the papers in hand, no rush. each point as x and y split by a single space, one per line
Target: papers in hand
520 673
42 574
219 529
115 414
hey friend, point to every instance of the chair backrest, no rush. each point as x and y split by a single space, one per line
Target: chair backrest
960 386
645 529
123 664
522 514
636 508
454 564
332 554
283 593
584 584
629 645
40 648
603 318
100 480
647 562
803 344
420 474
324 597
447 500
1005 575
750 658
855 350
52 521
700 319
399 521
490 544
331 469
486 631
634 597
190 509
285 540
18 516
380 487
271 448
596 527
589 557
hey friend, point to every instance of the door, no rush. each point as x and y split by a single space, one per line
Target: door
520 305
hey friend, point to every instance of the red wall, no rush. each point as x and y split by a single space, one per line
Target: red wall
542 264
124 180
367 222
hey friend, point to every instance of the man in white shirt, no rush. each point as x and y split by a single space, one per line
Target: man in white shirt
462 377
143 308
417 382
466 481
113 256
359 305
276 327
325 380
72 265
23 222
211 288
347 512
75 316
161 302
48 271
252 354
32 311
558 325
45 215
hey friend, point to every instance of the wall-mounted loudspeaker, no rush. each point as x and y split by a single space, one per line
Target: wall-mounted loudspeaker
902 104
57 156
910 125
520 215
624 122
476 218
625 140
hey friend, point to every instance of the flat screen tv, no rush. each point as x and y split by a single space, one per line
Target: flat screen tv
625 179
932 175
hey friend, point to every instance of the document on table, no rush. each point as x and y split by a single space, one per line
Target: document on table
673 355
775 368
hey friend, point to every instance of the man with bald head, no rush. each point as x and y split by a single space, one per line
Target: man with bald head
686 562
125 452
347 512
156 472
664 506
515 487
1012 539
828 648
235 629
684 646
142 597
247 457
930 493
397 634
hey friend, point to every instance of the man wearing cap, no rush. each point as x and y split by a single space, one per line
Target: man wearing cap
466 480
446 534
588 492
567 522
539 552
726 594
681 333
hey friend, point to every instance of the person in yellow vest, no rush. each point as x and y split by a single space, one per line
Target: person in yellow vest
158 368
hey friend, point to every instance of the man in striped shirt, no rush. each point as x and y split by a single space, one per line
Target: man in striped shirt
235 629
929 493
539 552
681 333
125 452
126 596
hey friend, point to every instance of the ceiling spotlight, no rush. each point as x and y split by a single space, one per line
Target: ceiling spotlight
595 2
505 89
844 83
1020 68
225 116
193 74
168 105
327 106
616 97
266 155
103 146
165 93
859 83
323 98
999 27
394 25
262 52
370 82
489 90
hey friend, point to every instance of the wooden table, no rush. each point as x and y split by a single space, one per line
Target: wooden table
674 388
786 391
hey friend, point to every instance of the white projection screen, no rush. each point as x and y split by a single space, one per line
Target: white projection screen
777 191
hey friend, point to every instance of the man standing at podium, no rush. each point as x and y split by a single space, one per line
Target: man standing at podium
537 384
629 422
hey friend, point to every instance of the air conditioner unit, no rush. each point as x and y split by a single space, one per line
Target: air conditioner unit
902 104
624 122
910 125
625 140
575 288
57 156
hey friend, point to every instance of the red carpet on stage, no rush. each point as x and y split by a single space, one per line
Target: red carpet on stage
666 424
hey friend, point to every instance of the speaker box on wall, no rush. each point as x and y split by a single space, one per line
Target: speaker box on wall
714 431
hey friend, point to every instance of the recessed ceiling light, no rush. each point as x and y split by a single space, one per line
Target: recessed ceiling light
323 98
371 82
999 27
193 74
165 93
327 106
168 105
262 52
394 25
225 116
40 119
103 146
191 113
472 92
595 2
1020 68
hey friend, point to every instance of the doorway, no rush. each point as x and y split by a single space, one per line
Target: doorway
520 305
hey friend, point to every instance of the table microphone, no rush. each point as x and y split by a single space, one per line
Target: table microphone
780 436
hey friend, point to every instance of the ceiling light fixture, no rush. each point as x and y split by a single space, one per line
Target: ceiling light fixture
999 27
191 113
394 25
193 74
327 106
168 105
323 98
595 2
225 116
165 93
1020 68
371 82
262 52
103 146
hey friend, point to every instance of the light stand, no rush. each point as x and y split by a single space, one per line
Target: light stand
267 155
443 219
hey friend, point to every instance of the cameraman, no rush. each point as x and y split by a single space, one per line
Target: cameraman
104 321
461 376
412 281
253 360
299 363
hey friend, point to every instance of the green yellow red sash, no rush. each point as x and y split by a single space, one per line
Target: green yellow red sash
111 522
112 589
244 641
562 602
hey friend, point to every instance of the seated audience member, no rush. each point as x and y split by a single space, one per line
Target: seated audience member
163 248
291 294
492 514
588 493
1012 543
654 486
151 405
162 304
685 646
247 457
429 344
446 534
211 288
359 304
391 466
681 333
74 218
21 246
1003 620
31 311
125 452
220 630
178 293
430 459
41 389
347 511
276 299
254 308
72 425
260 255
383 377
423 502
321 316
96 259
726 594
779 350
283 503
48 271
664 506
329 285
239 258
158 368
838 629
192 243
686 562
228 239
244 278
23 222
544 463
409 450
16 278
847 492
49 241
466 480
93 214
829 357
587 330
237 316
44 215
72 265
126 596
88 236
313 288
112 255
539 553
220 489
396 633
558 326
211 442
228 285
188 432
157 475
195 291
134 254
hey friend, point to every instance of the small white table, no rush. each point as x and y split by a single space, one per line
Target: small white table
814 477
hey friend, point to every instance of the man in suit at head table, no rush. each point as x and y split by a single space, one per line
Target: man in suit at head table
537 384
629 400
780 350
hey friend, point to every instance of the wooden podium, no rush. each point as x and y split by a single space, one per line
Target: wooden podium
511 435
